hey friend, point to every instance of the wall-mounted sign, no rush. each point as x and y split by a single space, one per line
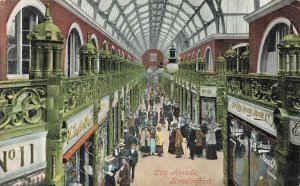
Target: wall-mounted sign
295 130
25 154
115 101
104 108
207 91
258 116
77 126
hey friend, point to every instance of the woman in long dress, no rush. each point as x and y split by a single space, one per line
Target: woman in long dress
159 141
110 170
152 140
124 174
211 152
145 142
178 143
198 146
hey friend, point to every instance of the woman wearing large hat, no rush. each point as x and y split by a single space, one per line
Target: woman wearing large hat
159 141
145 142
178 143
110 170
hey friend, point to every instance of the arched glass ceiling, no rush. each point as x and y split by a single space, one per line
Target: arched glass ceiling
144 24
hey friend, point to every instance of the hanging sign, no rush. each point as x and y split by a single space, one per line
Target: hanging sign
77 126
295 131
22 154
208 91
258 116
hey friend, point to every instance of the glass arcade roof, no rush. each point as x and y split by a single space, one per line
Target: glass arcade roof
144 24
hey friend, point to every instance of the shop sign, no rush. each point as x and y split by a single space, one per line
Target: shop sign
207 91
295 131
104 108
258 116
115 101
77 126
22 154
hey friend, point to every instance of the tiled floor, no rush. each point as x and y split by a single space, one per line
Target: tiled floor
168 170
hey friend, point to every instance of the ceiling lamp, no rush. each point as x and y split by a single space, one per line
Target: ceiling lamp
172 65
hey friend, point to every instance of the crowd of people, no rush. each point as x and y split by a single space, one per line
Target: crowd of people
143 134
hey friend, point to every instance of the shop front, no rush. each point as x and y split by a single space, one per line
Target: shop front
78 149
294 154
23 160
208 105
252 144
103 135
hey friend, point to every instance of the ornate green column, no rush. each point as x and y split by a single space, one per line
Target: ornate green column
110 125
199 105
96 154
184 97
119 115
125 102
181 96
191 100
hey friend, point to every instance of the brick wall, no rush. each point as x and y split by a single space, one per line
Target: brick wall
147 63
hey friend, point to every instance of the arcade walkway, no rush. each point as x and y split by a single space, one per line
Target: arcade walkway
168 170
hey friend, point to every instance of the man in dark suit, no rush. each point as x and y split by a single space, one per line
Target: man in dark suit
133 159
191 141
155 116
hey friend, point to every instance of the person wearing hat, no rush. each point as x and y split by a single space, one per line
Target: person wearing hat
124 173
155 117
133 159
144 142
144 121
211 152
178 143
152 133
199 136
176 111
110 170
162 117
172 136
123 152
146 101
159 137
191 138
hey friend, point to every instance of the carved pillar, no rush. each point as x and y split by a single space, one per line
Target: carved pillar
281 120
49 63
119 115
96 157
110 125
191 101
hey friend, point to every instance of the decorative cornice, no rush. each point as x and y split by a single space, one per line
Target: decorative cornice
81 14
267 9
216 37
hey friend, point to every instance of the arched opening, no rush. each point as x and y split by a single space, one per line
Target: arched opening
18 45
269 55
74 44
208 60
239 49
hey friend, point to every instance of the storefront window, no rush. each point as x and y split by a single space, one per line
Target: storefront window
208 111
262 160
102 148
251 155
71 169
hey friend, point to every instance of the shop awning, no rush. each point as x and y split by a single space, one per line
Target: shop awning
80 142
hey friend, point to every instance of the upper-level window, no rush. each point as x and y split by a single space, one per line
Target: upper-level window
208 59
18 46
153 57
74 44
269 55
